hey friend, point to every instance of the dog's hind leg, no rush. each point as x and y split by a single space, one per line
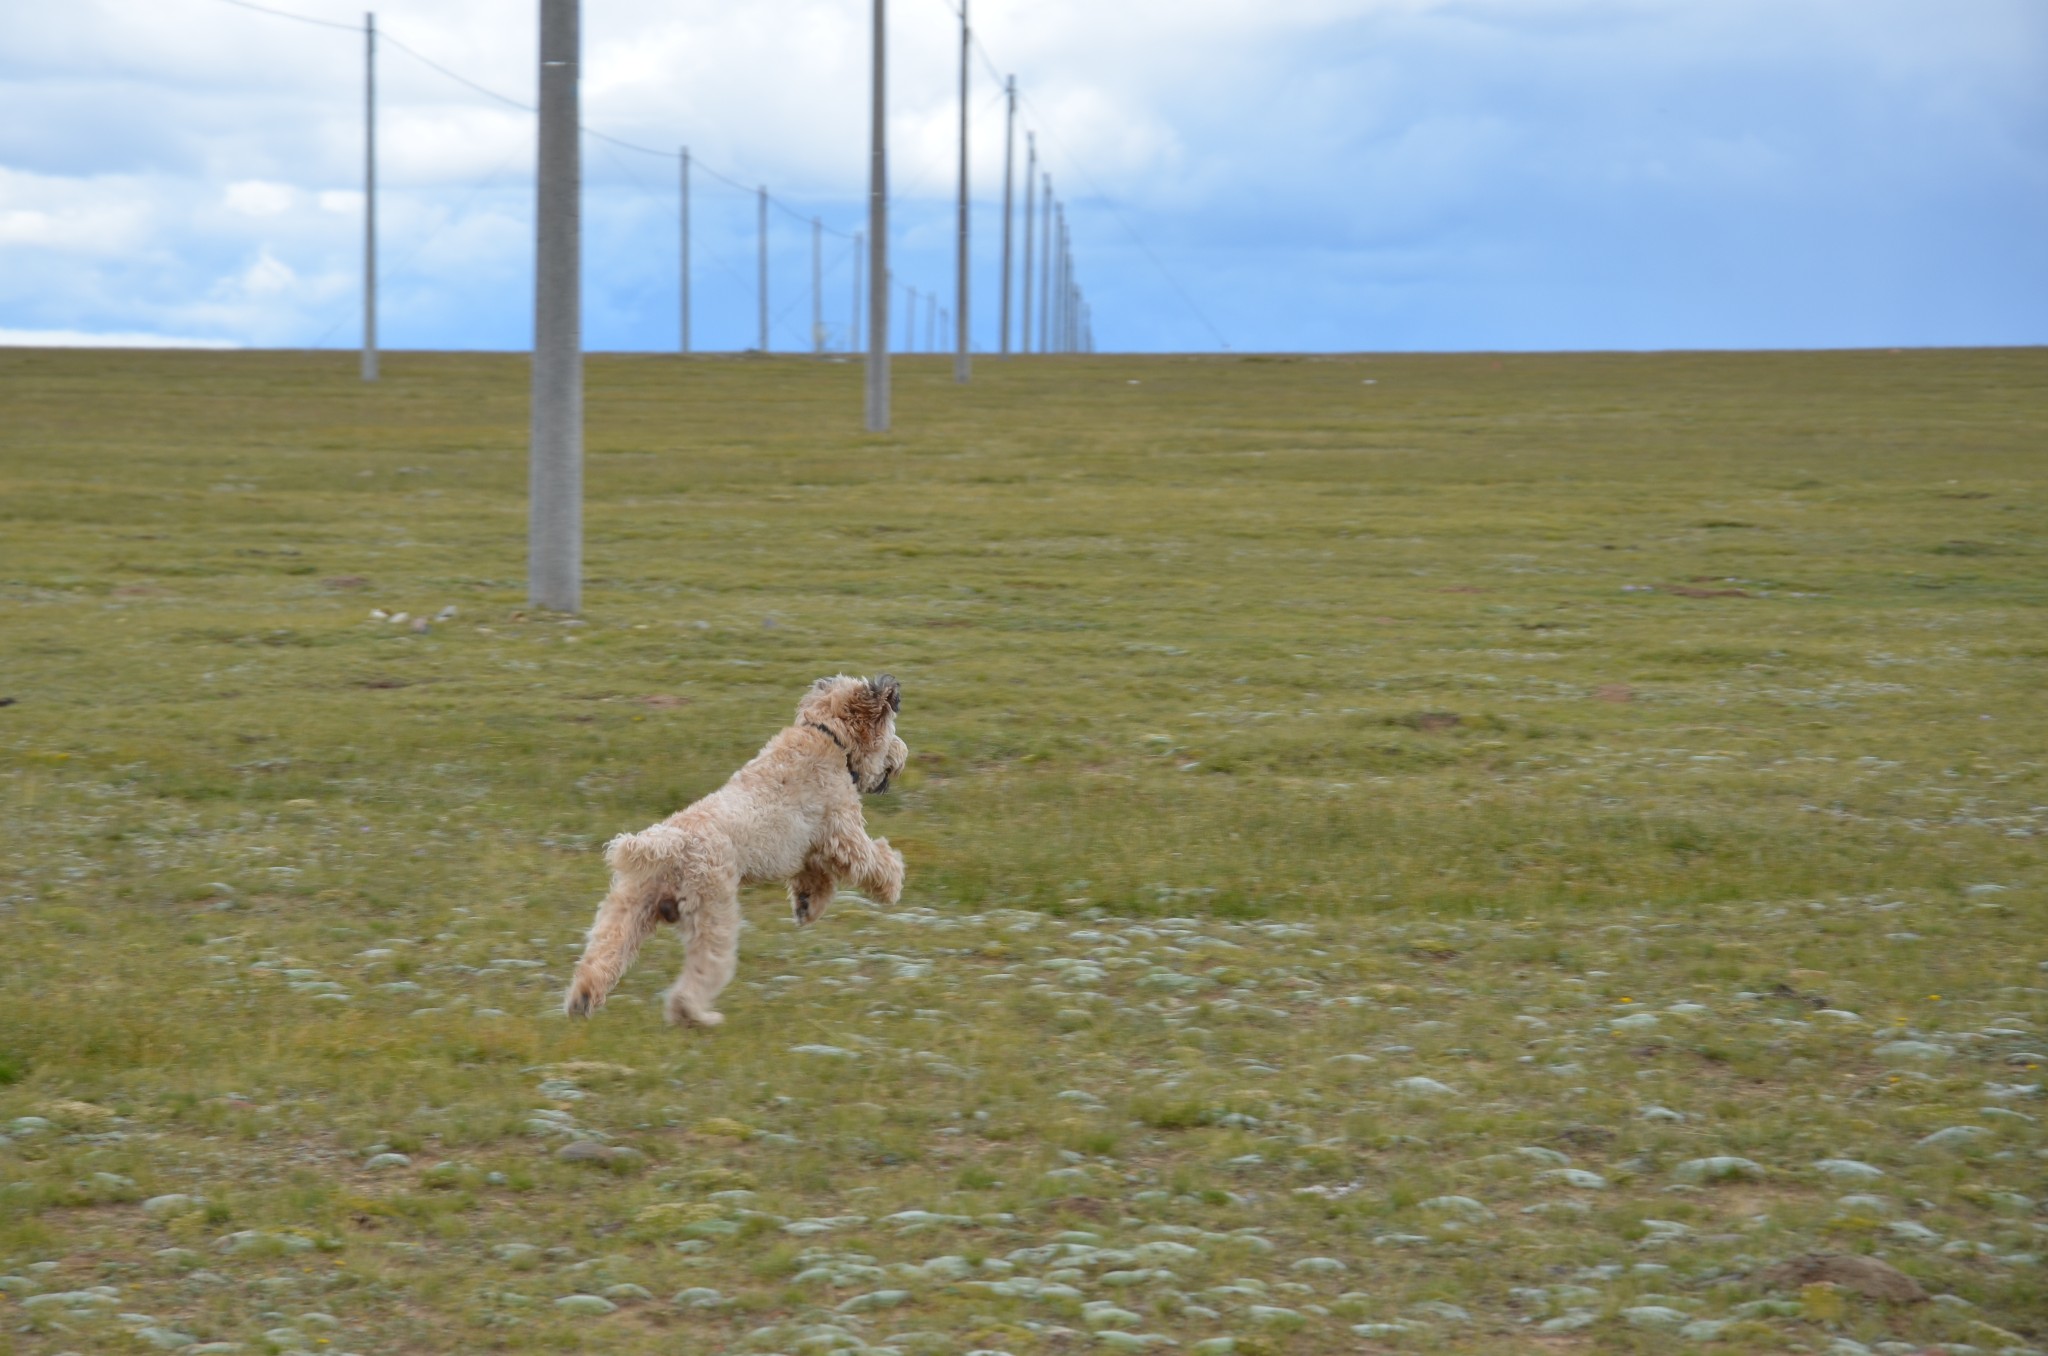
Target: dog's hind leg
711 932
626 919
811 889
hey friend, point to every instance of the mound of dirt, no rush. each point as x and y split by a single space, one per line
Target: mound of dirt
1865 1275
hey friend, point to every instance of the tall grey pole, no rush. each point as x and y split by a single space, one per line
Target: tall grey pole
1070 314
554 571
370 197
878 234
1045 271
853 324
931 323
1030 203
1066 285
817 287
761 231
961 362
1073 292
1059 291
685 289
1074 310
1009 155
1067 281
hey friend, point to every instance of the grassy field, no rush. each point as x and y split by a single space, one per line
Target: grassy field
1469 854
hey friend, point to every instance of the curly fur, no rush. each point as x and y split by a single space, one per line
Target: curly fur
792 814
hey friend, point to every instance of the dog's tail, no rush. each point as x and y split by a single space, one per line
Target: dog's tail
651 853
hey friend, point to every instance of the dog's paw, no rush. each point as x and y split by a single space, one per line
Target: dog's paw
889 883
582 998
800 906
680 1013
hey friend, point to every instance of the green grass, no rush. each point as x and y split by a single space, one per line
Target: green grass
1433 711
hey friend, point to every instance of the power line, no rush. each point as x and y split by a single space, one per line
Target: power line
384 35
300 18
458 79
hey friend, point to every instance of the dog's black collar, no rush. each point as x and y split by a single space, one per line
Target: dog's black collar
826 731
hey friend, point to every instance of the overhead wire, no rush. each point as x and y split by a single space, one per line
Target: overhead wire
384 35
300 18
459 79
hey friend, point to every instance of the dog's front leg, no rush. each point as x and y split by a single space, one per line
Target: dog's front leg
877 868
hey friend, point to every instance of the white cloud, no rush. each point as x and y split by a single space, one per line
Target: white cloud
269 276
261 198
75 216
105 339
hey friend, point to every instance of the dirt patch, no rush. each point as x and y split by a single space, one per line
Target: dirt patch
1865 1275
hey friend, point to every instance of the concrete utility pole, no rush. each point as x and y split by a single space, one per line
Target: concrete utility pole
817 287
554 548
1065 277
1009 155
1059 291
370 197
761 231
1030 204
878 236
1045 272
1068 312
1074 311
685 295
961 362
853 324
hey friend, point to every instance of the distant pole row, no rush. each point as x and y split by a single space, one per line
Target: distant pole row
1061 321
1063 324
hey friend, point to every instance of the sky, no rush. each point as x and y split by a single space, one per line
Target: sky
1314 175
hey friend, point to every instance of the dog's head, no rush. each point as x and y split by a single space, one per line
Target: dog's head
861 714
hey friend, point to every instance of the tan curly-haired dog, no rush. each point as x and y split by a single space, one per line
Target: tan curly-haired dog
792 814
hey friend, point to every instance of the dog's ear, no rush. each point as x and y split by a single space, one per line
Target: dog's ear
868 705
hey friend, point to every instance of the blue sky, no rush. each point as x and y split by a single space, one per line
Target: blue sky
1319 175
